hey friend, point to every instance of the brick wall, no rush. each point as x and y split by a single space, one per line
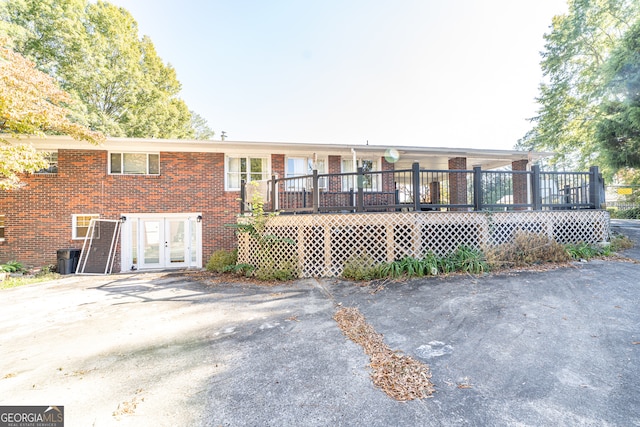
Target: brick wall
38 216
458 182
520 187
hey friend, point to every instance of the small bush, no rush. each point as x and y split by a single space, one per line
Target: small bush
361 267
464 259
283 272
587 251
468 260
582 251
526 249
364 267
12 267
411 267
240 269
221 260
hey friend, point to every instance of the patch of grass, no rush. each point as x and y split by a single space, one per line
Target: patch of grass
620 242
464 259
14 282
467 260
587 251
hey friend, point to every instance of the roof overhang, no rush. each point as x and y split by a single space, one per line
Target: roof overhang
428 157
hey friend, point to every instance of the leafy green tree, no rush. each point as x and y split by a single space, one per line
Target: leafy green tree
618 130
200 127
93 50
30 103
575 51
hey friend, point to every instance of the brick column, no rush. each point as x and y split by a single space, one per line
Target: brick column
334 184
388 185
334 166
458 182
520 187
277 165
434 192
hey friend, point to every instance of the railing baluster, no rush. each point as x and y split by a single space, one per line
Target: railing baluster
501 189
415 178
477 188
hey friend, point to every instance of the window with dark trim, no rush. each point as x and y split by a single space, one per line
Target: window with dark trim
134 163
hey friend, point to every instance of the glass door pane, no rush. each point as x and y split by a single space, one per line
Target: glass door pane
152 242
176 242
134 242
194 242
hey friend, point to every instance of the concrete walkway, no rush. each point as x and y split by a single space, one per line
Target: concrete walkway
522 349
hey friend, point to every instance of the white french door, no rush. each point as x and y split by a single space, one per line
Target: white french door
154 241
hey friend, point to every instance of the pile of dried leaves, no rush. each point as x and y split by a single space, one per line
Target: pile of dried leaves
401 377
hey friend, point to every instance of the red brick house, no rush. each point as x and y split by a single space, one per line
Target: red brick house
175 195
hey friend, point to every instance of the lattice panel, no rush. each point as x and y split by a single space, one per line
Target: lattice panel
322 243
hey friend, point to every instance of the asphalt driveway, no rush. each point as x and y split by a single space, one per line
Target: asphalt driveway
554 348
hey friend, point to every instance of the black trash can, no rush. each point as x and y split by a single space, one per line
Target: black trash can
68 260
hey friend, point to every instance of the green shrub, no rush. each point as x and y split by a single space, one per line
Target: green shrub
464 259
361 267
588 251
221 260
12 267
469 260
412 267
364 267
281 273
240 269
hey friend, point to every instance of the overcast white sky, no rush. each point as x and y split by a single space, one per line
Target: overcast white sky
439 73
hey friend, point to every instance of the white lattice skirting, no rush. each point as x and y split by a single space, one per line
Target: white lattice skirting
323 242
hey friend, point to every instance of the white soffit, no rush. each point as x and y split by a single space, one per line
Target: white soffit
428 157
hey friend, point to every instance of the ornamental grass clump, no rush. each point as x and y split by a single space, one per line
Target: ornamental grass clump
526 249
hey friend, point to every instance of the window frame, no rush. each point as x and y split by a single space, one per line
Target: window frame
309 160
3 227
74 225
148 168
373 186
53 164
227 172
